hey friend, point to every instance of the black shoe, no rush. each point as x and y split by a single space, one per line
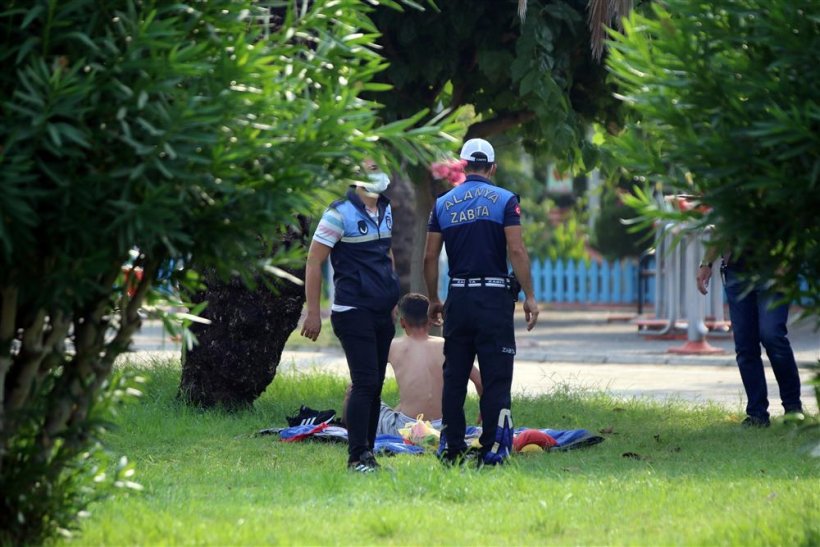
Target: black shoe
754 421
308 416
460 457
449 459
367 463
481 462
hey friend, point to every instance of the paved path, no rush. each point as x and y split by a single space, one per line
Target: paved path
591 349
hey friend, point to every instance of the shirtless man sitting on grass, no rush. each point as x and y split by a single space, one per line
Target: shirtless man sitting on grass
417 360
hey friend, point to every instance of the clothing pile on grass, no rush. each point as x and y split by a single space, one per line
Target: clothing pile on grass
322 425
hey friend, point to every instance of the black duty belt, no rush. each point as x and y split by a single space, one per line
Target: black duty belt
470 282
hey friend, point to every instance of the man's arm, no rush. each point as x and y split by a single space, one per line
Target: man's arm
432 251
475 377
704 273
391 353
520 261
317 254
703 276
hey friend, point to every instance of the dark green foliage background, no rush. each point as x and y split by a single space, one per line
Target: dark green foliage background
185 130
723 100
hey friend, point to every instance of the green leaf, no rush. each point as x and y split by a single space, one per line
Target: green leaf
82 37
54 133
33 13
73 134
28 45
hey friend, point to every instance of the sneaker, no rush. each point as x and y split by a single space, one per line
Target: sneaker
367 463
481 464
794 417
503 445
754 421
309 416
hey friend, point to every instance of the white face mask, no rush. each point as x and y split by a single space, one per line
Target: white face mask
378 184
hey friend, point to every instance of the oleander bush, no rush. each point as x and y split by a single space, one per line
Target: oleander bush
722 98
151 131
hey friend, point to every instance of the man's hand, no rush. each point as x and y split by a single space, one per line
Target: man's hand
703 277
435 312
312 326
530 312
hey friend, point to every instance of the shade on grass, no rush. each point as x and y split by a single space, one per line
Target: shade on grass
693 476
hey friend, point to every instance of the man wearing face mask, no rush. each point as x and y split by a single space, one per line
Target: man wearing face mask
355 233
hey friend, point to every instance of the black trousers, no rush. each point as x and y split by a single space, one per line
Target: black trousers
365 338
478 321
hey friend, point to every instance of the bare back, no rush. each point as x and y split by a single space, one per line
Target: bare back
418 365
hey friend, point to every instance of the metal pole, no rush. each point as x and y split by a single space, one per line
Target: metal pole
694 303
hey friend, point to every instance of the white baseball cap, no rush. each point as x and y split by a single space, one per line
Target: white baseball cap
478 150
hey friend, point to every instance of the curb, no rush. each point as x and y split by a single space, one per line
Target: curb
624 359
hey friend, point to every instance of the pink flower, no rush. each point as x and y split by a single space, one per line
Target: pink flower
451 170
440 170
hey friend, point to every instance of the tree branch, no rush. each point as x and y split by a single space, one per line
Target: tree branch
8 319
130 320
54 347
102 363
26 363
71 391
499 124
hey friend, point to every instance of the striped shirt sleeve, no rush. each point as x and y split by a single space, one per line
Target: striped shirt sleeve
330 228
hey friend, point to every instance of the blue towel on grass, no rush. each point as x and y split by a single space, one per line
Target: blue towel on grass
567 439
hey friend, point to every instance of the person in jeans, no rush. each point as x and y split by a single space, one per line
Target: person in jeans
756 321
479 223
355 233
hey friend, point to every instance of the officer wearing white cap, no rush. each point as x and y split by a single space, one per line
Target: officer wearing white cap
479 224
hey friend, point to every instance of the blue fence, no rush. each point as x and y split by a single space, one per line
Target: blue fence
578 282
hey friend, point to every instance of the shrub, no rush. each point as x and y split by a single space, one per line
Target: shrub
182 131
723 101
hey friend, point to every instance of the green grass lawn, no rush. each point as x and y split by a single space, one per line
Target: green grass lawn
699 479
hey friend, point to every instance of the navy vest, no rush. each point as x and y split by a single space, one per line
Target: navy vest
363 273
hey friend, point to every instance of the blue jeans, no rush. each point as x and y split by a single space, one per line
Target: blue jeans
754 322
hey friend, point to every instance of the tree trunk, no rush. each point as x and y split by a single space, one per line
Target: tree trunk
412 196
402 200
237 354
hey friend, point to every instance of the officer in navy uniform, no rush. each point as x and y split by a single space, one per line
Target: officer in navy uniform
479 225
356 233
